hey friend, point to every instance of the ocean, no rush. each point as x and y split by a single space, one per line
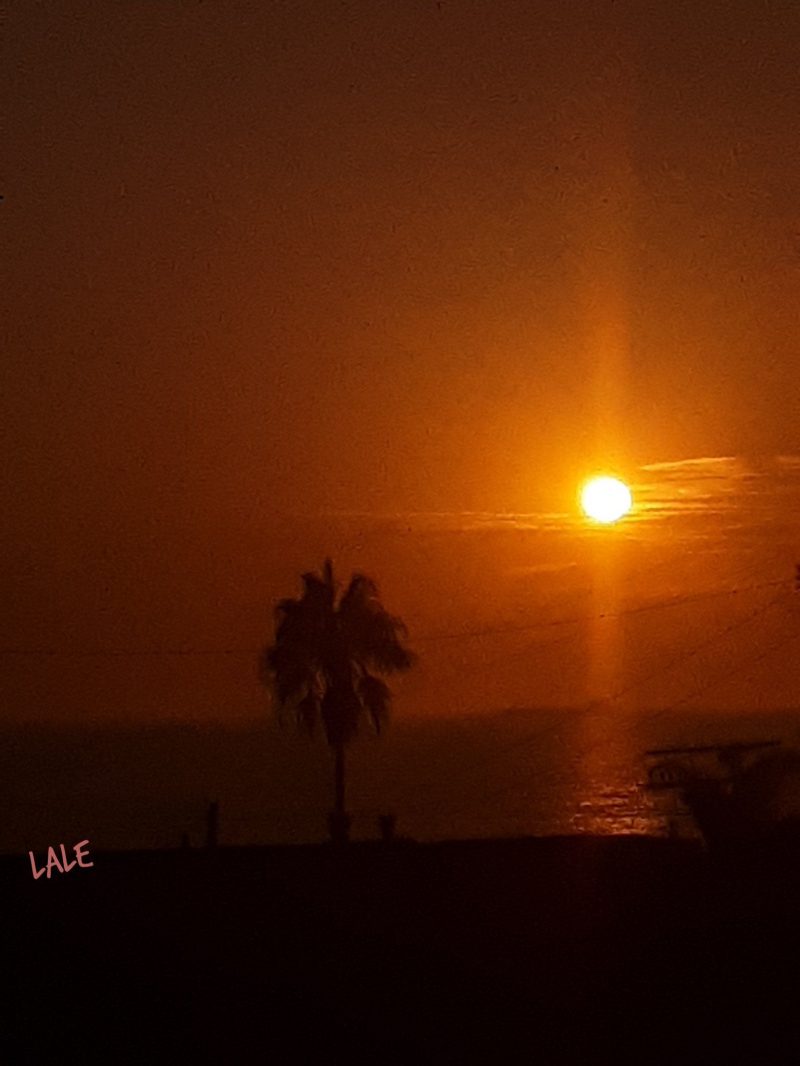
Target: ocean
516 772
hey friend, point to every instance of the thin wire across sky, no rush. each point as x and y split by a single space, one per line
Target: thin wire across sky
675 601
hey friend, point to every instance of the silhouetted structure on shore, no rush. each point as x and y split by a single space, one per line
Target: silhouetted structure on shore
734 792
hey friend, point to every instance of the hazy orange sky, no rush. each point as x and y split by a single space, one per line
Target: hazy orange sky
385 281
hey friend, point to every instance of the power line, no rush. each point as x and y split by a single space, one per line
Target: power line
544 645
702 689
680 660
518 746
538 646
121 653
578 619
521 746
466 635
583 592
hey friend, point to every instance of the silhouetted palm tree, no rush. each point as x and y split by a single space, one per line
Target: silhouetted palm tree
754 799
324 662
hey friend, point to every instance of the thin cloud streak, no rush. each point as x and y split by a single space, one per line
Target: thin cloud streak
684 464
683 495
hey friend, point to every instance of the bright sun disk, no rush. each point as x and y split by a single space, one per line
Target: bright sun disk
606 499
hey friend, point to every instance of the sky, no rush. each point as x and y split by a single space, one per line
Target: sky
387 281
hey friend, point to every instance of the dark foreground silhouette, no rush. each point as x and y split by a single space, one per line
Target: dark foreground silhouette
323 668
531 950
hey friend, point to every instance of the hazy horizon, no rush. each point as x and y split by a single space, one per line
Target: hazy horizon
516 772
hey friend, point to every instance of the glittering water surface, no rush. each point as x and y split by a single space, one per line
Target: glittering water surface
521 772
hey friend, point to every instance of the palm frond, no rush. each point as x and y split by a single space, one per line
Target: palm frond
292 685
308 711
265 667
322 663
287 670
375 637
360 593
302 624
375 697
327 573
320 589
372 633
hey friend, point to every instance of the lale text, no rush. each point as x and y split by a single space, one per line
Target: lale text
63 865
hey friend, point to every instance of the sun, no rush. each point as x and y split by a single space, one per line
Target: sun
606 499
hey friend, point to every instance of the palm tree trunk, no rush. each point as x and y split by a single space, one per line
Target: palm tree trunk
338 805
339 820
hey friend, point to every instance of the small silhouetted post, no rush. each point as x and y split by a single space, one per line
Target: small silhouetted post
212 824
387 824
